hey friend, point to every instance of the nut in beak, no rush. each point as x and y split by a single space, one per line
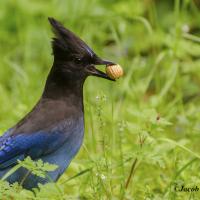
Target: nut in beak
114 71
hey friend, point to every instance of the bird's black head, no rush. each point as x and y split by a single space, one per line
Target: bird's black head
73 57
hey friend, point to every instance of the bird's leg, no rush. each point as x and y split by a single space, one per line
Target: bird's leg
25 177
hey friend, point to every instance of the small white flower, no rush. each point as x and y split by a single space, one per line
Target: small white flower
103 177
97 98
185 28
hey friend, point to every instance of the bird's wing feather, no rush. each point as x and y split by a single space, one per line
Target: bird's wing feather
34 145
14 147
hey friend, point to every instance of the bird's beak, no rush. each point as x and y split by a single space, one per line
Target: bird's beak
93 71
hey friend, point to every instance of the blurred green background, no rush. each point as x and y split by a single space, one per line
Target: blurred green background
146 126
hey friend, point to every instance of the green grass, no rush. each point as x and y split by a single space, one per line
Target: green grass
142 133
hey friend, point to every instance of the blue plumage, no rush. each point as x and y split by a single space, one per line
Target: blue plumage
56 147
36 144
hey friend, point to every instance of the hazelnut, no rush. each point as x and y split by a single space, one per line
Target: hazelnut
114 71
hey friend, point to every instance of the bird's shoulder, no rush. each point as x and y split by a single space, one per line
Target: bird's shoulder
43 130
48 115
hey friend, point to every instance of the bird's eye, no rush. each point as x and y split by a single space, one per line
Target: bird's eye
78 59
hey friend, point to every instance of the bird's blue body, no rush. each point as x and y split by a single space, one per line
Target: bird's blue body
64 146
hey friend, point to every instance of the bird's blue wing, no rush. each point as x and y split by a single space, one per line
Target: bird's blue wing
16 147
4 145
5 135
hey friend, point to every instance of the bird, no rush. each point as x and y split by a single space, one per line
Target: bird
53 130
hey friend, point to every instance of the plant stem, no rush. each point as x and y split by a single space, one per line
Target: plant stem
131 172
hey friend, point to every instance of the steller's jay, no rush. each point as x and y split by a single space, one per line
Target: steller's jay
53 131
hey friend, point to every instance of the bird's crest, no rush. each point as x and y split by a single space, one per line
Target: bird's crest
65 43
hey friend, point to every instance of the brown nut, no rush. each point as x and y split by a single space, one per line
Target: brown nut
114 71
